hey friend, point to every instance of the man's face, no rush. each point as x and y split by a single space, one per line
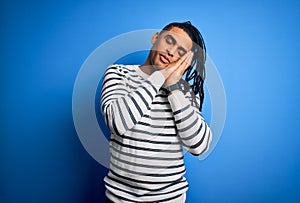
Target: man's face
169 47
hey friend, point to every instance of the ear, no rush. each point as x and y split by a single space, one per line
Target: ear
154 37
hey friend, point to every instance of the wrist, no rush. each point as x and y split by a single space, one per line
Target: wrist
173 92
173 88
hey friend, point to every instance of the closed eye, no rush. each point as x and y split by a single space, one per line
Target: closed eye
181 51
170 40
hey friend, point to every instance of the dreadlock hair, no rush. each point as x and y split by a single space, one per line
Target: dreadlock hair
195 73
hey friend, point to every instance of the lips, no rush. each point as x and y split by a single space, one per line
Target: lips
164 58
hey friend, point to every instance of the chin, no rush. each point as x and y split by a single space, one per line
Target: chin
160 65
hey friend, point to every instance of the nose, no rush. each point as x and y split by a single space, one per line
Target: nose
171 51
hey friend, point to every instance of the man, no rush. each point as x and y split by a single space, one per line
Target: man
153 114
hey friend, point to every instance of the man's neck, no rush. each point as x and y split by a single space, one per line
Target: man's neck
147 67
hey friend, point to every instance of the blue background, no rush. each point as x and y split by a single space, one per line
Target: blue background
254 44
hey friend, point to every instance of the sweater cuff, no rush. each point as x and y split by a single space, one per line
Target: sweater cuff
157 79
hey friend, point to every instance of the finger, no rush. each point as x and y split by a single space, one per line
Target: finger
181 64
190 58
182 59
187 63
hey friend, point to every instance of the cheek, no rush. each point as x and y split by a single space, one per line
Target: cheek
160 46
153 53
153 56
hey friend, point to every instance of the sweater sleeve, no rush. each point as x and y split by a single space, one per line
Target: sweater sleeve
122 106
192 129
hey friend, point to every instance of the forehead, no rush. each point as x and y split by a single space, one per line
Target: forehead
181 37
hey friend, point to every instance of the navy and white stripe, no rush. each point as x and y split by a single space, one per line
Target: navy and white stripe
149 129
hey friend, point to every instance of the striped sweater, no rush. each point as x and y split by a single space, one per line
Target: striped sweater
148 132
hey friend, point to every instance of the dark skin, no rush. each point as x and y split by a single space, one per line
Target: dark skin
170 54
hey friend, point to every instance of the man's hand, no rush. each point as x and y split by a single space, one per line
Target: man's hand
174 71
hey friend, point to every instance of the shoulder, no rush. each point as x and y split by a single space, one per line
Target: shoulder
125 72
121 69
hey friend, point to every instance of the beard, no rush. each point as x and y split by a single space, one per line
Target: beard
158 61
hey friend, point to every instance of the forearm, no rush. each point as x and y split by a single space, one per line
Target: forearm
192 129
122 106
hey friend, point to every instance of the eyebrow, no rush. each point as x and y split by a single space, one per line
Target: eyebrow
174 41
